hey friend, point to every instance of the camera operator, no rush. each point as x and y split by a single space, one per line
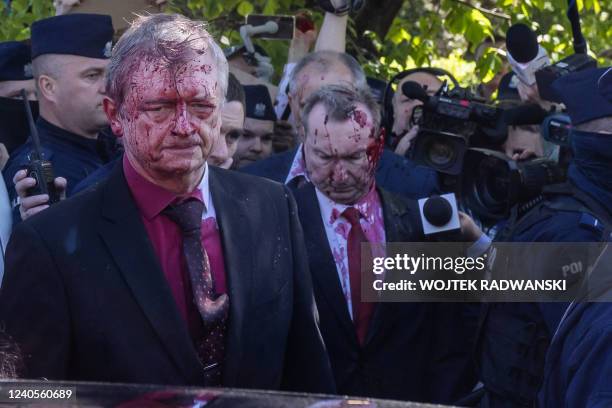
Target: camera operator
514 337
403 107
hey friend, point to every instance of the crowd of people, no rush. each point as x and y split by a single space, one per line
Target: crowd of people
203 226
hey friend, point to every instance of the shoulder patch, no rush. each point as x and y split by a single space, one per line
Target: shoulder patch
589 221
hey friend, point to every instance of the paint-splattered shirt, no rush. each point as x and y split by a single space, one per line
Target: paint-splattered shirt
337 229
298 166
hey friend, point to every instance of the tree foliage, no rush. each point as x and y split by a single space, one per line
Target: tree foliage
15 21
389 36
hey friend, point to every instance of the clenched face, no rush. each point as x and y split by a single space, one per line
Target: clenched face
341 156
170 117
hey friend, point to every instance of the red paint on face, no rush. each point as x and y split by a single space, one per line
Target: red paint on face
170 118
375 149
360 117
336 155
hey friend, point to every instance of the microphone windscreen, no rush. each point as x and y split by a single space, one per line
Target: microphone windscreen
414 90
437 211
522 43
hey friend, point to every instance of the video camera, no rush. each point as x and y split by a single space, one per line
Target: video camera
448 123
492 183
460 136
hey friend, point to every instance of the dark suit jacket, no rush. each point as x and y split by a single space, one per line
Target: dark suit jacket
85 298
394 173
413 351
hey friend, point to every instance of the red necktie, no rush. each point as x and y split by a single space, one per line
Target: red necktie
362 312
213 310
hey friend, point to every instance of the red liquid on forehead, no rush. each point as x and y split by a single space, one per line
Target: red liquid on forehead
360 117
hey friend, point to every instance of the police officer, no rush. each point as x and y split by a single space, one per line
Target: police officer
255 142
16 70
579 362
69 58
514 337
15 75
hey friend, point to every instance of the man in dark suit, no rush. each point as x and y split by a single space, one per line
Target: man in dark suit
412 351
394 173
171 271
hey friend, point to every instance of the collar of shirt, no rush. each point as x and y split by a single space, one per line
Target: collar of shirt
152 199
298 166
368 206
47 129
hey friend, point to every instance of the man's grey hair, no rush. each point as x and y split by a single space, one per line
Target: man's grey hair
170 38
323 61
340 102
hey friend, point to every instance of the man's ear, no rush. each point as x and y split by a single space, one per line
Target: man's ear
47 87
112 113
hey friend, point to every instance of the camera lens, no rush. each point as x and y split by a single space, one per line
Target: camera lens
440 153
494 181
488 185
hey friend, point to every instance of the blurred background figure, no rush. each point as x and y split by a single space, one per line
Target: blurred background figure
255 143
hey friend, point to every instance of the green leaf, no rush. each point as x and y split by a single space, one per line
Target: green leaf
271 7
245 8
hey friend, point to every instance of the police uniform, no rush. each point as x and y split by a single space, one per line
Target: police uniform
72 156
15 65
514 337
258 103
579 362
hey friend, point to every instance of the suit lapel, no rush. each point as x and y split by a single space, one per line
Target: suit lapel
288 161
322 265
123 232
238 250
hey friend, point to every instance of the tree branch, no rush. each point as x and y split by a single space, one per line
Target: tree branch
483 10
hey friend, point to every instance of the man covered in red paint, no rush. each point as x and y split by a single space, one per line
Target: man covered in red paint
385 350
170 271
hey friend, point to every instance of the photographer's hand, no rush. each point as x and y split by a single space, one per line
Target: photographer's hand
470 232
404 143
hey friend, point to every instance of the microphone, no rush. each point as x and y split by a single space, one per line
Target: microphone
414 90
437 211
525 55
439 215
522 43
